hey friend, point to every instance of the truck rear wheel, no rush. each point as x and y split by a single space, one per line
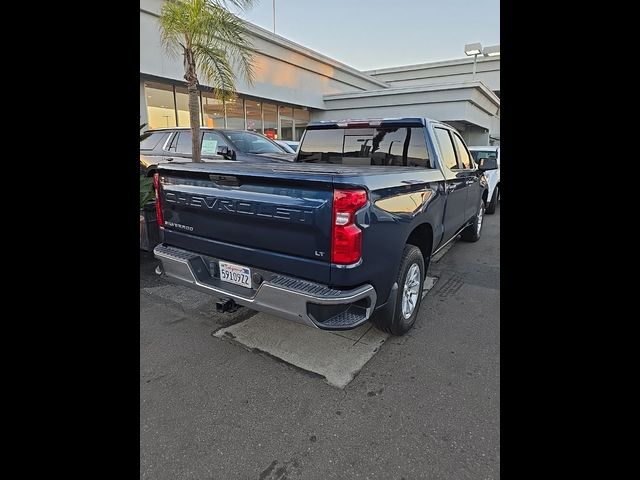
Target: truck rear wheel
410 282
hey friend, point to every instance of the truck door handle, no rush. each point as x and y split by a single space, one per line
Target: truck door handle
470 181
451 187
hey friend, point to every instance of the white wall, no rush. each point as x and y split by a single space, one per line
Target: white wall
469 102
284 71
459 70
477 137
437 111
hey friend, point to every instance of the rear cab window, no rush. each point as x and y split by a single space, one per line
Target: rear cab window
374 146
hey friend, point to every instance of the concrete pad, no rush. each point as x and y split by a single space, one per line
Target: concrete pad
337 356
338 359
355 334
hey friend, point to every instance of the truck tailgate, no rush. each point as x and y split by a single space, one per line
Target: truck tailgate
277 219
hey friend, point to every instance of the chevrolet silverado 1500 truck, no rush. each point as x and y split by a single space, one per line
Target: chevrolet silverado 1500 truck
341 236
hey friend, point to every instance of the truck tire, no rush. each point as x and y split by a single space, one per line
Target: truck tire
410 282
472 232
491 208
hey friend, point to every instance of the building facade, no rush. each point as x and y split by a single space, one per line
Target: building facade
294 85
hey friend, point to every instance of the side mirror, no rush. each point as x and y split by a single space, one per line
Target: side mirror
488 164
226 152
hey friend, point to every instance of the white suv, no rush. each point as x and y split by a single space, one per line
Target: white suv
493 176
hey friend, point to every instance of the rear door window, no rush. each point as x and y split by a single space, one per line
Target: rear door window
153 139
183 145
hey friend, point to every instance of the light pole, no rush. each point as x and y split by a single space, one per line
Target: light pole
274 16
474 49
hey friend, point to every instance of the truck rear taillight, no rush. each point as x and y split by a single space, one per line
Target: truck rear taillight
157 187
346 238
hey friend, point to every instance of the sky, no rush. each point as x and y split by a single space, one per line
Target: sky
371 34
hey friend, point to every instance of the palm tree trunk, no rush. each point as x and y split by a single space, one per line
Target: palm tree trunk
194 105
194 117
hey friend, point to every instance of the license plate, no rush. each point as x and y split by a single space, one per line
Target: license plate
236 274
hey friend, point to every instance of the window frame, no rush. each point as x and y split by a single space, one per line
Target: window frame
168 145
453 146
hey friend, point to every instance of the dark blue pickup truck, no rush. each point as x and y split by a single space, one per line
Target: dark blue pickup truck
341 236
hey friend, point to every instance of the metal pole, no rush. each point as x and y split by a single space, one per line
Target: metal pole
274 16
475 59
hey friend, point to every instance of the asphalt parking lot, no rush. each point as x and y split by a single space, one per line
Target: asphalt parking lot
426 405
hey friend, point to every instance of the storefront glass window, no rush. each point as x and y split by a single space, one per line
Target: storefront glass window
213 110
286 123
182 102
254 115
235 114
270 113
260 117
302 119
160 111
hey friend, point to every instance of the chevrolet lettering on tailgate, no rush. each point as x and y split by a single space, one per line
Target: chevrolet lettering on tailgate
228 205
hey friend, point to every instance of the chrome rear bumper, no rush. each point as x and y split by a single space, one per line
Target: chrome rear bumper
287 297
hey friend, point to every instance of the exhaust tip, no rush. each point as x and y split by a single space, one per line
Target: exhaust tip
159 270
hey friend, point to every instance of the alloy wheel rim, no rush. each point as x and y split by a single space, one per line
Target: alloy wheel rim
410 290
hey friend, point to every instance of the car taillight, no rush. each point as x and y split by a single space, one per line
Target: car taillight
156 186
346 238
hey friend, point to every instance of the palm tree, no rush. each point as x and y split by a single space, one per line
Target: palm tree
211 39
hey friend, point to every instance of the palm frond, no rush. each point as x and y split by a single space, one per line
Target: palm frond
174 25
217 69
218 38
231 34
